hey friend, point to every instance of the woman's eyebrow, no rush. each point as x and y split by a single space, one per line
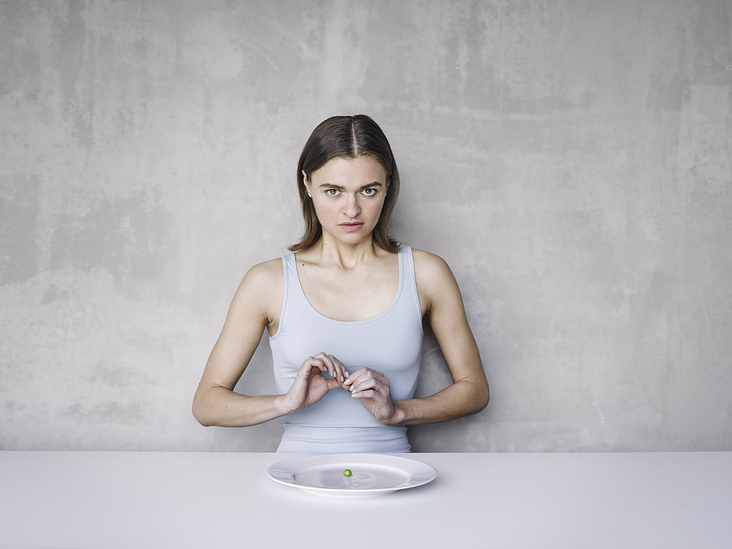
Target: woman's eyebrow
340 187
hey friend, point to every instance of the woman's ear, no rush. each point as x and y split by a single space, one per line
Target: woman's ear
306 183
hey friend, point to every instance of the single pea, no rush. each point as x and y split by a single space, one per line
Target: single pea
347 473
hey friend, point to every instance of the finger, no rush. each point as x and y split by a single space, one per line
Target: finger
320 361
340 369
355 376
364 384
310 364
376 386
365 394
321 365
368 380
332 365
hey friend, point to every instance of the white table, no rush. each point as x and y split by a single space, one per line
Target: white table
222 500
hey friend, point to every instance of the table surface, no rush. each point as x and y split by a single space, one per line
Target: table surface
486 501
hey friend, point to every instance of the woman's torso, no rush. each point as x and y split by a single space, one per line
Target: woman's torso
390 341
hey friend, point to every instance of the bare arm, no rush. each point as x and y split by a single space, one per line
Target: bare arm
256 306
215 402
469 392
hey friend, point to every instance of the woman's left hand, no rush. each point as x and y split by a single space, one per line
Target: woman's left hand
372 389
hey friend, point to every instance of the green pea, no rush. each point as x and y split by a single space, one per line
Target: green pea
347 473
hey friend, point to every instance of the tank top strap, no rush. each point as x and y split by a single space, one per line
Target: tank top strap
290 270
294 296
408 274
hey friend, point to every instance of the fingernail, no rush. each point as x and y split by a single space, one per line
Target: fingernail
354 395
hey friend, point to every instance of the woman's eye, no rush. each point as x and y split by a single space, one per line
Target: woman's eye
332 192
369 192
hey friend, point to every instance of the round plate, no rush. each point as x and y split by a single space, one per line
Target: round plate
372 474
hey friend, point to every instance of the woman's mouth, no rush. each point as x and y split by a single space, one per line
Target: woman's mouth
351 226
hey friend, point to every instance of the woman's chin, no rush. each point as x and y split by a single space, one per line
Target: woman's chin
350 237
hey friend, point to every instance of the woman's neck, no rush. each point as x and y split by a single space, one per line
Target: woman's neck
329 251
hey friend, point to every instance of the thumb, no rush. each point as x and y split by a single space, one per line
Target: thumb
332 384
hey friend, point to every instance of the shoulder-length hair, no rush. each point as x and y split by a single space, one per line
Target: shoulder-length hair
347 137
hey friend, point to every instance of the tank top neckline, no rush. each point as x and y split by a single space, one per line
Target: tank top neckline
301 292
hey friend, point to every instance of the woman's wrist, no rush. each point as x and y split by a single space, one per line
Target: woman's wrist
281 406
400 416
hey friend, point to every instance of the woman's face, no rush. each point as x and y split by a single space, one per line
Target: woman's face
348 194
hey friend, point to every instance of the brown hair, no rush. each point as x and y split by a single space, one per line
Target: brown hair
347 137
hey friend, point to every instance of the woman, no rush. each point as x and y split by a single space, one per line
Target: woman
344 314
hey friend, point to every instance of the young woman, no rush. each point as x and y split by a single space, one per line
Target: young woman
344 314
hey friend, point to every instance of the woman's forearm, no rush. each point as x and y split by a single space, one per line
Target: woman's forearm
219 406
462 398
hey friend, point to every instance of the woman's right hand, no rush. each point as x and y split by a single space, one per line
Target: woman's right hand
311 385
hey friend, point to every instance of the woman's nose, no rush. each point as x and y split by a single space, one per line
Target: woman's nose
352 206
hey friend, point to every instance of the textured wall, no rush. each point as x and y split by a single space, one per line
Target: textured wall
569 159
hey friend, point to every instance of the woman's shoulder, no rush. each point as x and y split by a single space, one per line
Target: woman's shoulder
436 284
428 264
260 291
432 273
266 271
263 278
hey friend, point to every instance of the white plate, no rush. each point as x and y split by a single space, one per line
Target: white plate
372 474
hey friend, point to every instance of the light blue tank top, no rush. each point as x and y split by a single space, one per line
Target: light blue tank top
390 342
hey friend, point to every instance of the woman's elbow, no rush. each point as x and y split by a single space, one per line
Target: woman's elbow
199 412
486 397
202 420
482 398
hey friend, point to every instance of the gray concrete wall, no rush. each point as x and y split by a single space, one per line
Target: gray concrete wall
569 159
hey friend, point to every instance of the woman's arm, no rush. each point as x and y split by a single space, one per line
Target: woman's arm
255 307
215 402
469 393
442 302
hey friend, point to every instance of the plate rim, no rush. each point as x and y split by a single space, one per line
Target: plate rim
430 471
